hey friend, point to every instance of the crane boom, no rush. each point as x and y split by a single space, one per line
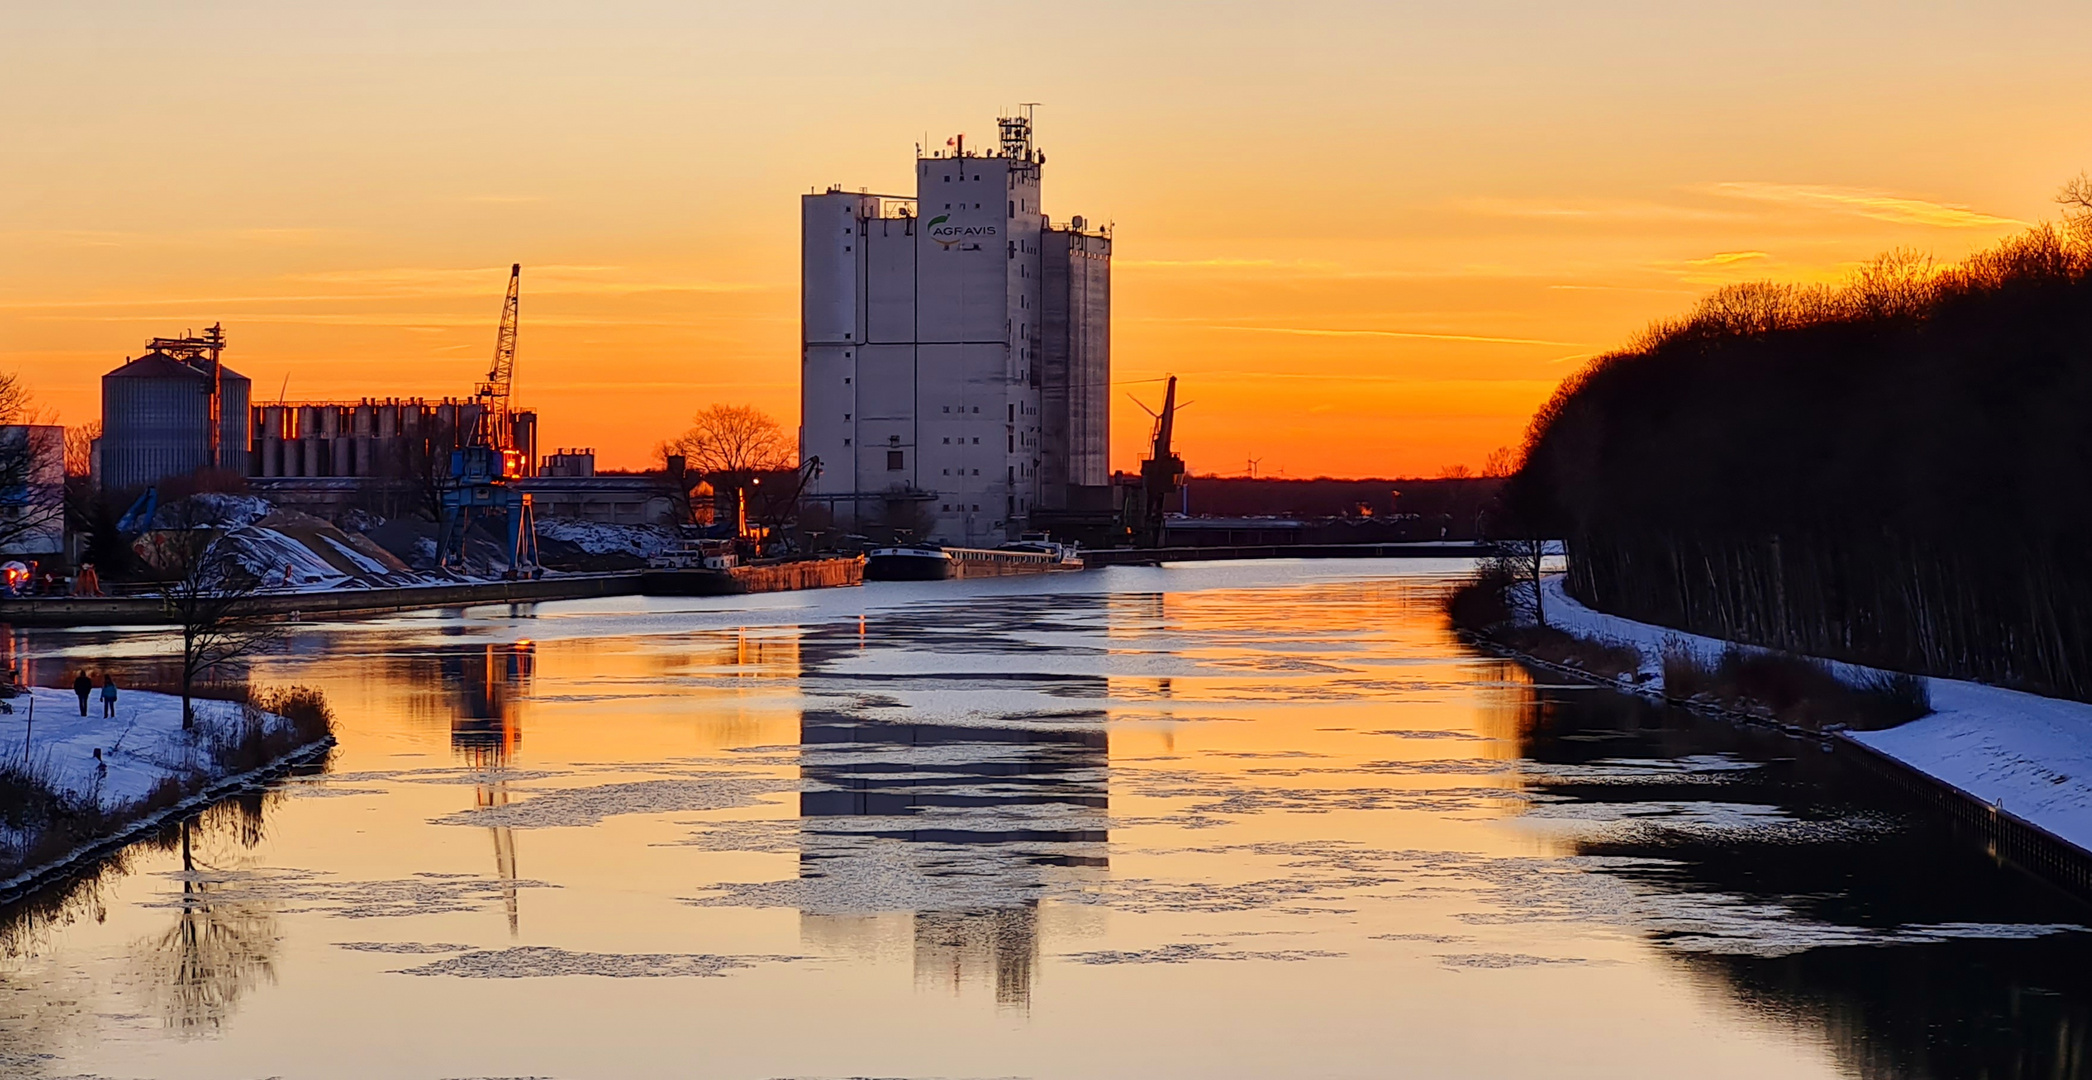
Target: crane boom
501 374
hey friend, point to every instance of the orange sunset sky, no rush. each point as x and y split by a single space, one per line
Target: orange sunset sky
1370 237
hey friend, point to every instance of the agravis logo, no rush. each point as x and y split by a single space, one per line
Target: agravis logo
947 232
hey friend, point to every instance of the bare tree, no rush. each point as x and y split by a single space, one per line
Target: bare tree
733 439
1521 560
2076 200
32 466
1502 461
416 470
16 404
1455 472
79 448
208 588
730 446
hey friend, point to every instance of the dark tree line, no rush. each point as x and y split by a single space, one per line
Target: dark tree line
1894 472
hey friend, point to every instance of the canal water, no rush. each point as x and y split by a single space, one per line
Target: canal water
1257 819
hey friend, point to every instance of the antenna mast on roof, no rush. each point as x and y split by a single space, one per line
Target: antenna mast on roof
201 354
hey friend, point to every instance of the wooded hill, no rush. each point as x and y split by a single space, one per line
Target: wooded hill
1895 471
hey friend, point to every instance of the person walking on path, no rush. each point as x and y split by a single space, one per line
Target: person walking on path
83 686
108 696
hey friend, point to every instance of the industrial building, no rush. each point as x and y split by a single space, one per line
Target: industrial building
955 369
374 437
32 492
171 412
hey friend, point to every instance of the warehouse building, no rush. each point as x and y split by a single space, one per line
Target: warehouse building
956 349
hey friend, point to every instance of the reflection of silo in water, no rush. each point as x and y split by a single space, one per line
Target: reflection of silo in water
957 829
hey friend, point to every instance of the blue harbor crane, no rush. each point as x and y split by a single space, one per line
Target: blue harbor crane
480 485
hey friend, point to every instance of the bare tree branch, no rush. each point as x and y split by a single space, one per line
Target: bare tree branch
208 590
733 439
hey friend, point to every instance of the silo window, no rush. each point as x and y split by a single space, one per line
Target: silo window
894 462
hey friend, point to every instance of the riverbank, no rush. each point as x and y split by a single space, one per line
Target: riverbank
2019 756
148 610
72 787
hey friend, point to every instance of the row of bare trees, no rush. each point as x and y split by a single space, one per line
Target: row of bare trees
1893 471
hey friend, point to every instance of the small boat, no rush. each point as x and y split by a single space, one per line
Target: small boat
1064 556
908 562
692 568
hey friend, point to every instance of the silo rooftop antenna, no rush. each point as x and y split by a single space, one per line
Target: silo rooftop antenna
1016 133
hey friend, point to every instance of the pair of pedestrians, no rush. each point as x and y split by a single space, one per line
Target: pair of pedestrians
84 687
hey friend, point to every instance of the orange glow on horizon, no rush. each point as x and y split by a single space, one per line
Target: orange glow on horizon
1370 241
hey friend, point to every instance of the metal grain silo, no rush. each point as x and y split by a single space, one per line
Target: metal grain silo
156 421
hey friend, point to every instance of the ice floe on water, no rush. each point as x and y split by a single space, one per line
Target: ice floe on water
1505 960
293 892
545 961
773 836
575 807
410 948
1186 952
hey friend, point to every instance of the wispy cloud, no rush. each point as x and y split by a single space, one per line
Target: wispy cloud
1728 258
554 279
1312 331
1226 263
1591 210
1865 202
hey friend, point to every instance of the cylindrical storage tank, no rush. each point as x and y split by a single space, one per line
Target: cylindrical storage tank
234 434
156 419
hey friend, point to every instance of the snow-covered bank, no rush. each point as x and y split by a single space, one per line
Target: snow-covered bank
64 799
2027 754
142 745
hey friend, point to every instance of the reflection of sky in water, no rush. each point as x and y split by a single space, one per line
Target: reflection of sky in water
1212 820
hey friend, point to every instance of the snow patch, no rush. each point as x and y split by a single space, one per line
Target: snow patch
2027 754
605 538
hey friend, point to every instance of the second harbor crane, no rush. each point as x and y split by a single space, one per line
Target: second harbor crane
480 485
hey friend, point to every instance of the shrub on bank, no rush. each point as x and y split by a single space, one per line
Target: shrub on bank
41 821
1795 690
1482 607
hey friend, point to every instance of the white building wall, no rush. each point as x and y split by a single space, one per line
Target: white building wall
926 360
828 316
